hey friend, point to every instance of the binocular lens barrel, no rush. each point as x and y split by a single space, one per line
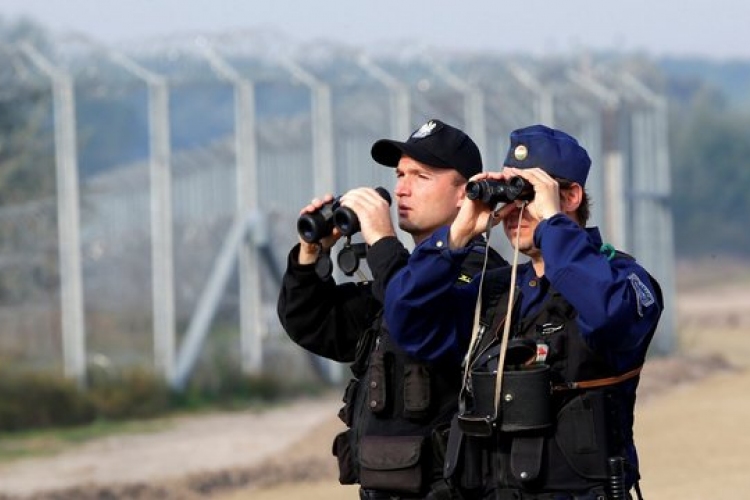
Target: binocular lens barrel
314 226
346 220
492 191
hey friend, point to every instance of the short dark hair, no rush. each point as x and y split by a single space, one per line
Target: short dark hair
583 212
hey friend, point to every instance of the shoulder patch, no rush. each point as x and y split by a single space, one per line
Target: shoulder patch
642 293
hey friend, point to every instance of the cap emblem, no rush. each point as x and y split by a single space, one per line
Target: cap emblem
521 152
425 130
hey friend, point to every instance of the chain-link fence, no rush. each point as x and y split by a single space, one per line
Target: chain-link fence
154 156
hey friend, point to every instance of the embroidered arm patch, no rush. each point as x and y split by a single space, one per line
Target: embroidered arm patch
643 295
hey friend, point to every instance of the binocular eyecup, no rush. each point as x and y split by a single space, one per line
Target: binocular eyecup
314 226
492 191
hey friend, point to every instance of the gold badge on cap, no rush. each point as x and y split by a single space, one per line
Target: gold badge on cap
521 152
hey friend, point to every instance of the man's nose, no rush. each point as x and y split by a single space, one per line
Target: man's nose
402 188
514 212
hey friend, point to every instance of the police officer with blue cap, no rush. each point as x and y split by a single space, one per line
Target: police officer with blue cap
551 349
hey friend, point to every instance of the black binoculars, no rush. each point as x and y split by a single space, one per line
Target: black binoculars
314 226
492 191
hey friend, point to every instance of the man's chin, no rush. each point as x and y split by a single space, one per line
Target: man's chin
511 234
524 246
405 225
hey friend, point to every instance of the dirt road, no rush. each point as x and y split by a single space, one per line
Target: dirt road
207 450
690 429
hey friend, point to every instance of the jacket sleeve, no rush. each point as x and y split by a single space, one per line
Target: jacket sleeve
385 258
321 316
430 316
618 305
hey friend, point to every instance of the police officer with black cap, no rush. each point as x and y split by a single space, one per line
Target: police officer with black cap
397 408
551 361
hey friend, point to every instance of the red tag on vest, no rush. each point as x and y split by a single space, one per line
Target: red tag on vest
541 352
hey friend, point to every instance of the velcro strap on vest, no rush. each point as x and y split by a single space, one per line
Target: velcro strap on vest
599 382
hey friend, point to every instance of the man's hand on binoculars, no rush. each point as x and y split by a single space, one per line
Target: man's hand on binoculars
308 253
373 212
546 202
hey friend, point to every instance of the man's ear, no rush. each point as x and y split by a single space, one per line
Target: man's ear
461 198
571 198
461 194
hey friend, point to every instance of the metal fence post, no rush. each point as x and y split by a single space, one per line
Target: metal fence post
652 219
544 105
324 165
473 104
252 328
68 206
161 213
400 114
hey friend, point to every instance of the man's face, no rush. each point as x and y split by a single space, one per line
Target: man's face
428 197
570 196
522 229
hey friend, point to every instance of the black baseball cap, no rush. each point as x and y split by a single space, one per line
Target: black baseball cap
436 144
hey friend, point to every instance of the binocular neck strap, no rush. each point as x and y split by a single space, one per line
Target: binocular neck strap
508 313
478 330
475 330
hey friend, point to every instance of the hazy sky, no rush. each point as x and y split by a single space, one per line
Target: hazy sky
715 28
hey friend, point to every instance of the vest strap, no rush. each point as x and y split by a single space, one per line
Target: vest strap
599 382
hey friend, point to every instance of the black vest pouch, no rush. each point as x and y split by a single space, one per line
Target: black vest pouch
525 399
417 392
526 457
342 450
393 463
582 434
376 383
346 413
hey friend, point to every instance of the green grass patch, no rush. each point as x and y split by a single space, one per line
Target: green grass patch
43 414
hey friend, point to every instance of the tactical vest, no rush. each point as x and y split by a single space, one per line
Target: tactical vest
559 437
398 410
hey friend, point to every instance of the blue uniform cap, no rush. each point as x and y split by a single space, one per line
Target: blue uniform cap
554 151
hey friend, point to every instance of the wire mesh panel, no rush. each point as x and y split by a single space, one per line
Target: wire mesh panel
238 125
30 314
